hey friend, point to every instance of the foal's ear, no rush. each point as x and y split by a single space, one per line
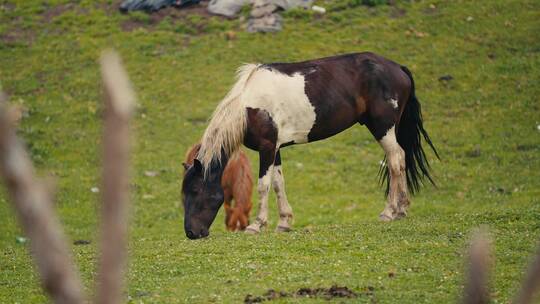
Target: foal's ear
198 166
186 166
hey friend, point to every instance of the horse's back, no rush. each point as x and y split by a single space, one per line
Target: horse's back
316 99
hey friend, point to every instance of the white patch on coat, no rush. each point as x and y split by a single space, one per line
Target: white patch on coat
388 141
285 100
394 103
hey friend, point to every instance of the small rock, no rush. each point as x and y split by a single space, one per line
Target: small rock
446 78
151 173
299 165
351 207
94 189
420 34
318 9
469 19
432 6
141 293
21 240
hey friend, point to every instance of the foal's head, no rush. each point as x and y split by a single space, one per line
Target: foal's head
202 199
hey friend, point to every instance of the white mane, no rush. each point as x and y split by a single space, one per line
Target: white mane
228 122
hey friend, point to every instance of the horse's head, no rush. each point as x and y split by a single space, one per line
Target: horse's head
202 199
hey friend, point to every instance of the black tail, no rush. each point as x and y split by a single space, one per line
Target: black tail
409 136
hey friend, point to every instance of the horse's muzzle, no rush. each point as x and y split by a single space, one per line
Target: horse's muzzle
193 236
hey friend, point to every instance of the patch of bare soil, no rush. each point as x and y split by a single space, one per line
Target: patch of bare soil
56 11
180 13
396 12
173 13
325 293
17 36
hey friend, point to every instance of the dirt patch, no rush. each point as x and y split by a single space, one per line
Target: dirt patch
82 242
180 13
17 35
56 11
172 13
324 293
397 13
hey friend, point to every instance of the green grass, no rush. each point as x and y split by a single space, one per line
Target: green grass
484 123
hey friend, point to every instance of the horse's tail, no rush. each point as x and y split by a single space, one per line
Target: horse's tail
409 136
227 126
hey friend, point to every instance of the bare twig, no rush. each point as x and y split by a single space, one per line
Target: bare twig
476 290
531 284
34 207
119 101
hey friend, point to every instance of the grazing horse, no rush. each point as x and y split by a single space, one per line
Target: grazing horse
275 105
237 184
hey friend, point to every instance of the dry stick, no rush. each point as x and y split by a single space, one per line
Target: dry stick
119 101
34 207
476 290
531 284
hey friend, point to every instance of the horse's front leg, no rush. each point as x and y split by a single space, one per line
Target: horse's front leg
285 210
266 170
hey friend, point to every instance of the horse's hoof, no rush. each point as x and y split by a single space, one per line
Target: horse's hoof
400 215
251 230
385 218
283 229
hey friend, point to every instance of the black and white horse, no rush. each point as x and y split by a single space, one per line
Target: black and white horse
272 106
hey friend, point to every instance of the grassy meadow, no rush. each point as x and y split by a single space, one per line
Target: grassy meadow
485 122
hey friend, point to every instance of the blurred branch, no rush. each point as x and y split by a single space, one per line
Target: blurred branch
531 284
34 207
476 290
119 101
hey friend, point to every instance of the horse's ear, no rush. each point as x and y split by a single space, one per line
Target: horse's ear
185 165
198 166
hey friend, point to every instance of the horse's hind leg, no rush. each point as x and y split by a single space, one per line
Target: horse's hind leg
285 210
397 196
398 200
381 123
266 170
